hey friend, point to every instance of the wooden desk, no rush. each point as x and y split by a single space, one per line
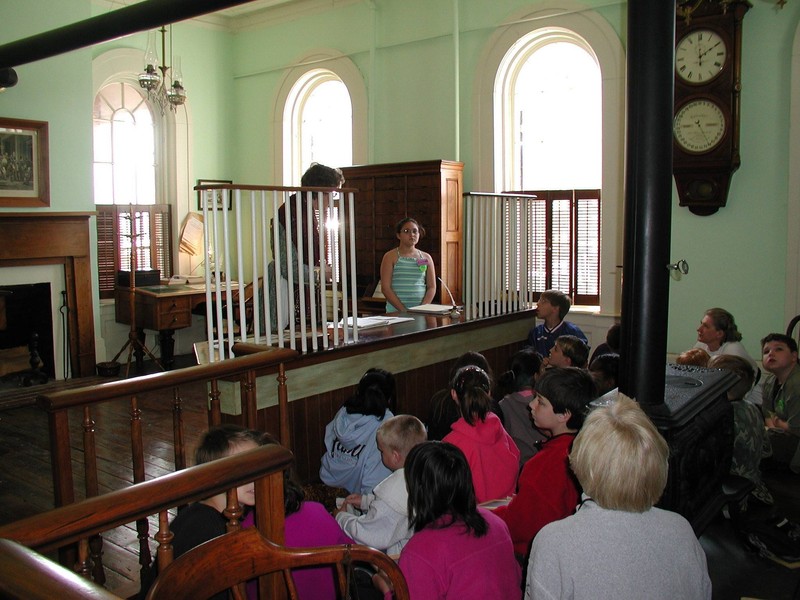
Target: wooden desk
163 308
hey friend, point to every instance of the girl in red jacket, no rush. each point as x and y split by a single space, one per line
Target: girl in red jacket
492 455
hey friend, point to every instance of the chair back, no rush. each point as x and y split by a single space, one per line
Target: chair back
236 557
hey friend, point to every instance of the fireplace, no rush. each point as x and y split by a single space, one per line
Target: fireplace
61 239
26 333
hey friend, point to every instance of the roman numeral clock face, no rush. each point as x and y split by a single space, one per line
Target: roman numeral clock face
700 56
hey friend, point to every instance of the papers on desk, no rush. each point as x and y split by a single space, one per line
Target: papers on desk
369 322
432 309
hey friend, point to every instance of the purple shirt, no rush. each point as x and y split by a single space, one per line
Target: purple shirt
312 525
451 564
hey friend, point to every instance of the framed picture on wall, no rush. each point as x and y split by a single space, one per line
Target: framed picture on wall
24 163
214 198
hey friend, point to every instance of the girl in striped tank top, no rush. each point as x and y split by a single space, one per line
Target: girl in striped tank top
408 276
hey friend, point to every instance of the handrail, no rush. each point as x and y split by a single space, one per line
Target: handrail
23 574
114 390
61 526
59 404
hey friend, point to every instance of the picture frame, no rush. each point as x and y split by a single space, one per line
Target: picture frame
24 163
218 196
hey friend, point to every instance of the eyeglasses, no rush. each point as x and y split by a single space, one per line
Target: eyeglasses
413 231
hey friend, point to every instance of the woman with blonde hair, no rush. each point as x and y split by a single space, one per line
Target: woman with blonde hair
617 545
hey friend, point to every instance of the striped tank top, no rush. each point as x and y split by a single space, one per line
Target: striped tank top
408 281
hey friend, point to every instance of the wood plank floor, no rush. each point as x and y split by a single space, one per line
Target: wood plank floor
26 486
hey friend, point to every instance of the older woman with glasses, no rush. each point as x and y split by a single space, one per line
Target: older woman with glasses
408 276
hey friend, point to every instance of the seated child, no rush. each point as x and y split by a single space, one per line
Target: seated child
693 356
443 411
458 550
781 398
617 545
518 382
547 490
202 521
552 308
568 351
352 460
611 345
492 455
308 524
748 426
605 371
384 524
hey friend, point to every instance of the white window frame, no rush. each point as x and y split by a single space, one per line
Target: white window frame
288 103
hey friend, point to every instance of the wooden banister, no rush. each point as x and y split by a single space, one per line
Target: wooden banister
68 524
56 404
26 574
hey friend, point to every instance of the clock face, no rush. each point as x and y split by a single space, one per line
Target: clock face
699 126
700 56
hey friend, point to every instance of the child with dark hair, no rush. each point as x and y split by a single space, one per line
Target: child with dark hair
552 308
605 371
611 345
307 523
781 399
443 411
547 490
352 460
518 383
568 351
478 433
458 550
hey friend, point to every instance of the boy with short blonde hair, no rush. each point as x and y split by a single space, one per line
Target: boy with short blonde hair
384 522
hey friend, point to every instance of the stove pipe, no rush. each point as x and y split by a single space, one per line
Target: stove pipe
648 200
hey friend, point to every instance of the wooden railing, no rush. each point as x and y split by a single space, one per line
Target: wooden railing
58 405
27 574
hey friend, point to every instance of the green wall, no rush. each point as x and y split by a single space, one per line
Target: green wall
405 54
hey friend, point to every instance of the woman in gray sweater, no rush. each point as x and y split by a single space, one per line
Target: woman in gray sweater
617 545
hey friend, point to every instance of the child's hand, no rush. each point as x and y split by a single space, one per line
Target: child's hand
354 500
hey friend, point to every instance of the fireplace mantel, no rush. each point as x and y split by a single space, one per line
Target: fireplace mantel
46 238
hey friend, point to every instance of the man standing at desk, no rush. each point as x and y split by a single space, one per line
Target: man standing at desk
316 175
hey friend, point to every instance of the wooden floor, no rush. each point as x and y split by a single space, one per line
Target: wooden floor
26 486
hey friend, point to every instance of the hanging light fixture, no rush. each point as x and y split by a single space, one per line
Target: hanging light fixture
165 94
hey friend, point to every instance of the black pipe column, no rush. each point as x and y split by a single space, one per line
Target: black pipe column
648 199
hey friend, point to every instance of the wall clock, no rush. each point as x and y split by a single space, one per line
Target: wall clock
699 126
707 105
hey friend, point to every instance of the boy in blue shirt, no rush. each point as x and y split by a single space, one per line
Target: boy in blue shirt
552 308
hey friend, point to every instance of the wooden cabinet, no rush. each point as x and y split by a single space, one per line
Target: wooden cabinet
430 192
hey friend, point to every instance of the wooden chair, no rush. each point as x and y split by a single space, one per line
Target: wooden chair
236 557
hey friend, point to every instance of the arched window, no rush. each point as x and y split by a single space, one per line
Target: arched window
318 124
536 34
548 96
134 158
124 146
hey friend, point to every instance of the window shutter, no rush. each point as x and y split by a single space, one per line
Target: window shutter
154 233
